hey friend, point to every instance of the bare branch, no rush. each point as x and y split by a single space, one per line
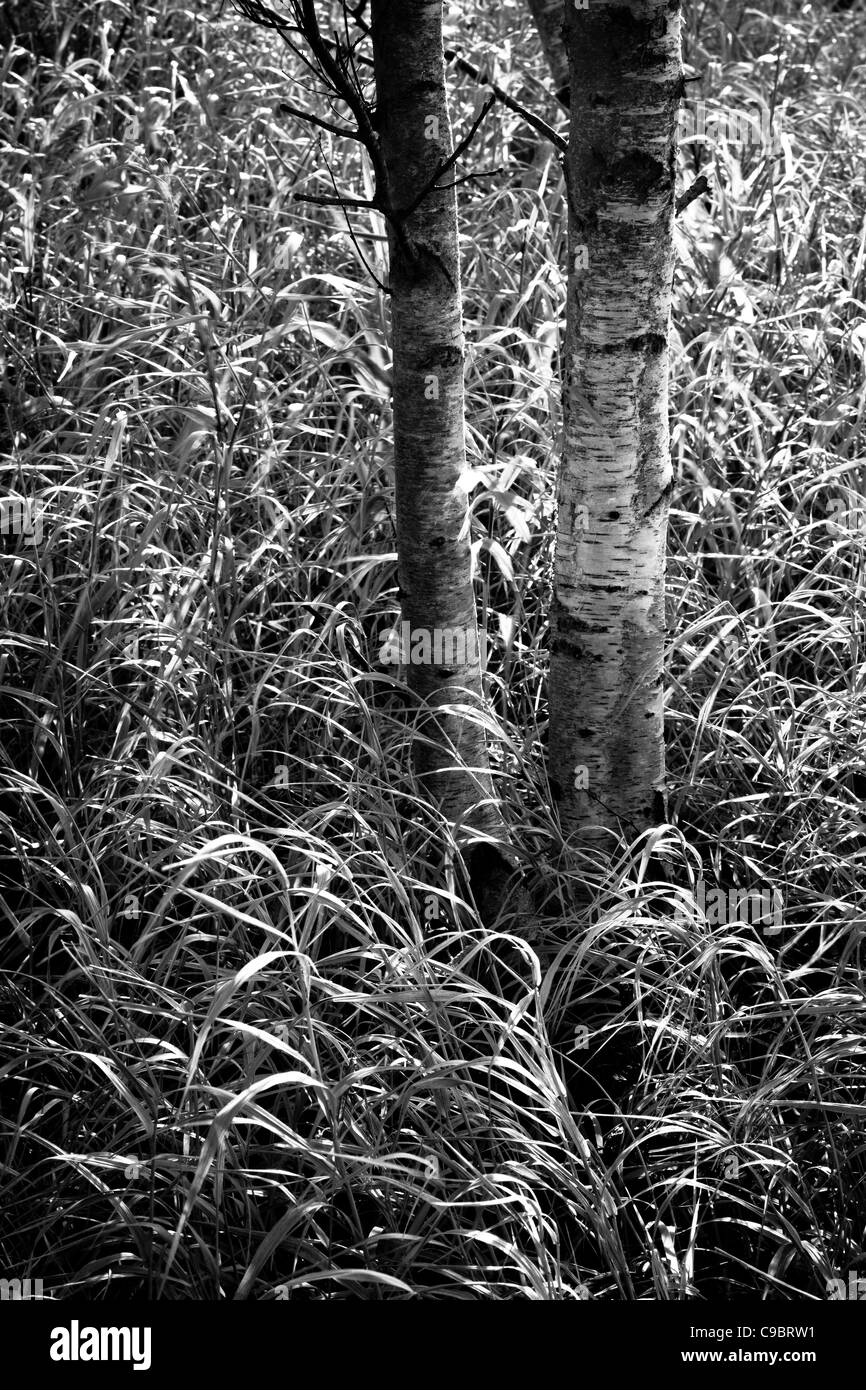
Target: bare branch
541 126
336 71
473 178
341 200
285 108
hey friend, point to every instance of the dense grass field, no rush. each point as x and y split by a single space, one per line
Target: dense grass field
257 1041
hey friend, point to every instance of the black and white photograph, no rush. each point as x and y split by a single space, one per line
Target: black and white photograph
432 675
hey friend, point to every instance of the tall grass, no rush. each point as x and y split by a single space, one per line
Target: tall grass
257 1042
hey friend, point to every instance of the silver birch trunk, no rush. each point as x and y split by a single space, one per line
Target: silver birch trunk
433 540
608 610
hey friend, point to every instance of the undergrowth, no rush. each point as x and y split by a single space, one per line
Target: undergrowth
256 1041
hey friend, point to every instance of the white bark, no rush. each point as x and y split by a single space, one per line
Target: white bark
608 611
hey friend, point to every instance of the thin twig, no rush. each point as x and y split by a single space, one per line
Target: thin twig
285 108
335 71
699 186
350 229
341 200
464 66
472 178
446 164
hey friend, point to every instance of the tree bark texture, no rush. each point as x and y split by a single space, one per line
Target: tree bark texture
549 16
433 542
608 611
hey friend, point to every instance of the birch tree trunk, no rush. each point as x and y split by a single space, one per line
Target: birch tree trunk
608 610
549 16
439 614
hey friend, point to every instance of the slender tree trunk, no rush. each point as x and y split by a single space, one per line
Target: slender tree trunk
433 541
608 611
549 16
